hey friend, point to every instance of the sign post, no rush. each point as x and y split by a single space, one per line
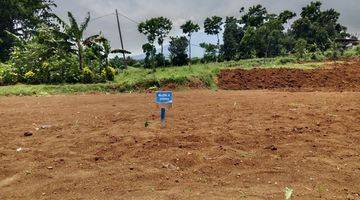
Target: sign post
164 99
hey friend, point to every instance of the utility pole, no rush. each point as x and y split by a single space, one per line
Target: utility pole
121 39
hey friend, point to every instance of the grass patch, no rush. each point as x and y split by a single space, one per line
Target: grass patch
27 90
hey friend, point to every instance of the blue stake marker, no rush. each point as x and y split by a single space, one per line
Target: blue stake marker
164 99
163 117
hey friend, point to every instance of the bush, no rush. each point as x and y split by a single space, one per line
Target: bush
87 76
195 61
300 48
107 74
160 60
137 65
331 54
285 60
110 73
208 58
357 49
317 56
30 77
8 76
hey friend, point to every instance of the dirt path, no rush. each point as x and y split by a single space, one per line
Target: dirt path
218 145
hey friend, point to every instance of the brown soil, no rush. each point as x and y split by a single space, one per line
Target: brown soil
334 77
218 145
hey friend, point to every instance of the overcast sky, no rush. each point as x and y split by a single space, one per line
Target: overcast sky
181 10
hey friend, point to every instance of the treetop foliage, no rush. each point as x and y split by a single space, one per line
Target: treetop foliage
190 27
213 25
153 28
22 17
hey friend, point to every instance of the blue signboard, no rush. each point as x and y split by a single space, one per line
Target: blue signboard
164 97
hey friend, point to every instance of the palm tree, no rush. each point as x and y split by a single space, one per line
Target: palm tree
75 34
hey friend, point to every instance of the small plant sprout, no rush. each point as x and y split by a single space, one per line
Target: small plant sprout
288 193
146 124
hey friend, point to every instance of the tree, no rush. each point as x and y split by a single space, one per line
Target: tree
255 17
101 49
265 34
249 43
156 28
212 26
75 34
21 17
317 26
285 16
177 49
210 52
150 51
189 28
300 48
233 34
164 28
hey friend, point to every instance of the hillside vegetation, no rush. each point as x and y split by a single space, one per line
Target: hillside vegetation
140 79
44 54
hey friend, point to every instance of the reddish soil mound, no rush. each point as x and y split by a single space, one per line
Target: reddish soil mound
343 77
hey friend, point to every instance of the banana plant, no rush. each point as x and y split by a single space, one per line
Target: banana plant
75 34
101 49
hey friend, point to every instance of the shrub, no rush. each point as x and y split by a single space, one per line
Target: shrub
195 60
357 49
332 54
8 77
103 75
300 48
110 73
48 60
285 60
160 60
107 74
317 56
137 65
87 75
231 64
350 52
30 77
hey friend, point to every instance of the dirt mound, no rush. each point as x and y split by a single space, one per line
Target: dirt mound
336 77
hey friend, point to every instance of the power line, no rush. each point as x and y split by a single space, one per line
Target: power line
128 18
97 18
121 14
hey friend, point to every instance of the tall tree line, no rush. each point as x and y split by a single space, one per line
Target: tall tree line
259 33
256 33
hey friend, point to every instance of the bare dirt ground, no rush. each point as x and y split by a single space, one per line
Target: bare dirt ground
218 145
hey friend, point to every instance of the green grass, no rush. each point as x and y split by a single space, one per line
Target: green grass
135 79
28 90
